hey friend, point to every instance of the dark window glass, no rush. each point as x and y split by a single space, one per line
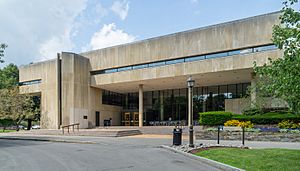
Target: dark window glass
110 71
222 96
174 61
223 91
245 51
212 99
168 105
216 55
182 104
195 58
232 91
239 90
264 48
157 64
235 52
97 72
204 98
112 98
147 100
30 82
133 100
140 66
125 68
245 89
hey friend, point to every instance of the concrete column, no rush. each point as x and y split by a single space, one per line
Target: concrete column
141 103
161 106
253 89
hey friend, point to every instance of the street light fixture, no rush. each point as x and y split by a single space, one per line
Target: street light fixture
191 84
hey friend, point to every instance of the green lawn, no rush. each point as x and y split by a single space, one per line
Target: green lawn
1 131
256 159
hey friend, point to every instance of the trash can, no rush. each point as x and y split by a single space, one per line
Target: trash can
106 122
177 136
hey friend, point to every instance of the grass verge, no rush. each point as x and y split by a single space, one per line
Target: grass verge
256 159
1 131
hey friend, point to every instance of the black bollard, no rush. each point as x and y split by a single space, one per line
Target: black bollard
243 136
218 135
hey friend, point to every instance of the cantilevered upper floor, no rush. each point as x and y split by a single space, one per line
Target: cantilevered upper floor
208 53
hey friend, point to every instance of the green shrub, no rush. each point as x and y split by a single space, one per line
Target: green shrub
252 130
284 130
268 118
214 118
252 111
296 131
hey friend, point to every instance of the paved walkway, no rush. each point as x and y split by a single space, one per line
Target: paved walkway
155 140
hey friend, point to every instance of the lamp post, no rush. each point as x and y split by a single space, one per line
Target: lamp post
190 83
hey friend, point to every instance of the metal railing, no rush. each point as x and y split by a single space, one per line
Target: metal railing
68 126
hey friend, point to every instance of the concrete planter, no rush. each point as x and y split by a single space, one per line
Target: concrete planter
249 136
232 128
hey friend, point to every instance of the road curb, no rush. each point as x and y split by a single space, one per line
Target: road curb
47 140
210 162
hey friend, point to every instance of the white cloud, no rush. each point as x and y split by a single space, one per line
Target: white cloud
37 30
120 8
55 44
194 1
109 35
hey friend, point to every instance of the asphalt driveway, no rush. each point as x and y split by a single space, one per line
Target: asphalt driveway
108 154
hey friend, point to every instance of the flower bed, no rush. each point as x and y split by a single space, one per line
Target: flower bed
250 135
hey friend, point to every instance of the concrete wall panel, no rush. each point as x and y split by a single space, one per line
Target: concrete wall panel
247 32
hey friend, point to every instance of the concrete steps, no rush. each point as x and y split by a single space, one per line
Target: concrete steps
98 132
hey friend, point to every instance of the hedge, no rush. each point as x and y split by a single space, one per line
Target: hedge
6 122
214 118
268 118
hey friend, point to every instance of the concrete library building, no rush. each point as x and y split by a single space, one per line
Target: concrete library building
145 82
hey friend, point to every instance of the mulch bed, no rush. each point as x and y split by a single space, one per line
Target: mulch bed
212 147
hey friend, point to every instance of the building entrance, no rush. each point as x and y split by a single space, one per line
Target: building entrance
130 119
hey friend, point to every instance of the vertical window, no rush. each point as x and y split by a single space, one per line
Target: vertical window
232 91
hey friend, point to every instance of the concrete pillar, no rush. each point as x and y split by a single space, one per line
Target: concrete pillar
141 103
253 89
161 106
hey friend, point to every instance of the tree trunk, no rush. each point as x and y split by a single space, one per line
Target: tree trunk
29 124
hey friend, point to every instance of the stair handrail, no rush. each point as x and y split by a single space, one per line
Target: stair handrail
68 126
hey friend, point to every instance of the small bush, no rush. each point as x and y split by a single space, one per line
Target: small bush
283 130
245 124
286 124
296 131
214 118
233 122
252 111
268 118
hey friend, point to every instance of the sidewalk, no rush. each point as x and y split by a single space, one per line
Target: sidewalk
155 140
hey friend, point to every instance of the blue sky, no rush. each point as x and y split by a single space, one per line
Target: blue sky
36 30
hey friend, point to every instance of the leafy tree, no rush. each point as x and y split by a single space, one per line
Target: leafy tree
2 48
281 79
15 106
9 76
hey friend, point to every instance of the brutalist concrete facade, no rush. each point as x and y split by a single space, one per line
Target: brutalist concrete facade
71 85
